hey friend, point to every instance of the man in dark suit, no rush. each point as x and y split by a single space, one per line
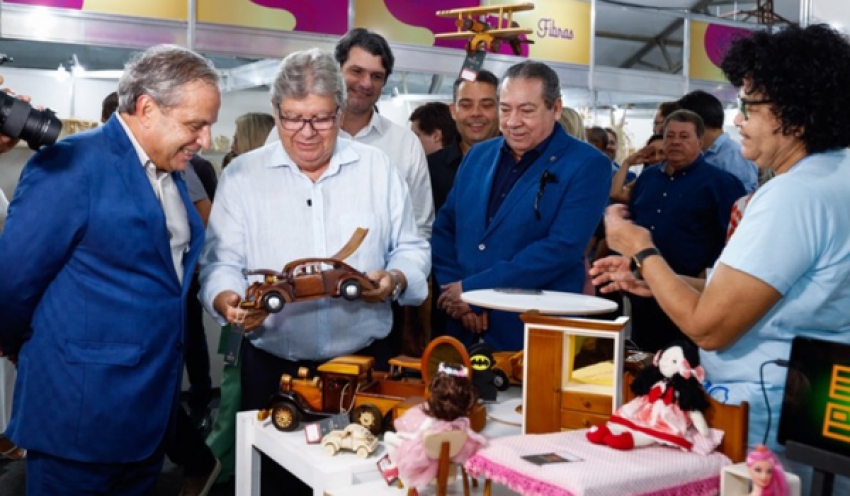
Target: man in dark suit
97 256
475 111
522 209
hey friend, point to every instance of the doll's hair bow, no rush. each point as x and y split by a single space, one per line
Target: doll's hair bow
458 371
687 372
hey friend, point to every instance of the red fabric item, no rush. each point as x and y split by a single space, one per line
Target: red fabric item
656 394
597 434
623 441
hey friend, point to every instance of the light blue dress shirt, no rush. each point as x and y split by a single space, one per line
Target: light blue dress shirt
725 154
268 213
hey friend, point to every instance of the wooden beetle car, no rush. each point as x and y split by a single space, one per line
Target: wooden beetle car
304 279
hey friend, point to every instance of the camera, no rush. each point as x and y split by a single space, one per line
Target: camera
19 120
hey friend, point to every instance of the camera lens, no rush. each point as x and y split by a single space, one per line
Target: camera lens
19 120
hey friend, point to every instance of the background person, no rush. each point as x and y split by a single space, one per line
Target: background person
718 147
432 123
785 272
251 131
573 123
95 282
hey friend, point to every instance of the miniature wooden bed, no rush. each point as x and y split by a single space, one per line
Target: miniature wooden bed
655 470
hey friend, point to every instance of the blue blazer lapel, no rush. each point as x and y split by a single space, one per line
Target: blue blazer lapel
128 167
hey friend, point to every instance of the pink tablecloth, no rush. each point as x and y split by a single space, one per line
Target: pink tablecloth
602 471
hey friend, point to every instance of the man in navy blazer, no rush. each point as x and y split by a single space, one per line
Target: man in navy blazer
522 209
97 256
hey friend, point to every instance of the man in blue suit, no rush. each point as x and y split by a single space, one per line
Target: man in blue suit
522 209
97 256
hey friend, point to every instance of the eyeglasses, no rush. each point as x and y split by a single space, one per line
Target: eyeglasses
743 103
318 123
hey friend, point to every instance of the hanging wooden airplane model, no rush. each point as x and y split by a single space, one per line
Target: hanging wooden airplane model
472 25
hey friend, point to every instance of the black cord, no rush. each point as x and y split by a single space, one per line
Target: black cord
781 363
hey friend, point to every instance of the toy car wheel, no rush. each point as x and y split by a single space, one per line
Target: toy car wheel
495 45
362 452
273 302
284 417
369 417
332 449
350 290
500 380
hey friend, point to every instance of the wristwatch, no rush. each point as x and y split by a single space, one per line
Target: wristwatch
636 265
396 292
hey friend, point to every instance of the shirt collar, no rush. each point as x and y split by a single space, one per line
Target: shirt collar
685 170
720 141
537 150
377 122
140 152
344 153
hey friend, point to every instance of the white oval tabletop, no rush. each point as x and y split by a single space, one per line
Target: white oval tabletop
545 302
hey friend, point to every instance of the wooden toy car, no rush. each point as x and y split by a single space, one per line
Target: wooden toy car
354 437
305 279
346 384
308 279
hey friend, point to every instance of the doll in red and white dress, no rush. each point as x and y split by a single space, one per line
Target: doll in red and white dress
451 398
668 408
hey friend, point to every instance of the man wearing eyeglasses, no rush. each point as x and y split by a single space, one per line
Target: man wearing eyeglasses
304 197
522 209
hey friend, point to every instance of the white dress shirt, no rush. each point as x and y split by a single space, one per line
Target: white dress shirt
268 213
176 218
406 154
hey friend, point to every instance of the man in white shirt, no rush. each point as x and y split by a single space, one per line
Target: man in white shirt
367 62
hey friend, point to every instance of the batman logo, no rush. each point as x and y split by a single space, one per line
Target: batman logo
481 362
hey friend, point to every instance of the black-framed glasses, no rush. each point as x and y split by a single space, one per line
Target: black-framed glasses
318 123
743 103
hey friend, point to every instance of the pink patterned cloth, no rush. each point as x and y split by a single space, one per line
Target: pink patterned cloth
414 467
654 470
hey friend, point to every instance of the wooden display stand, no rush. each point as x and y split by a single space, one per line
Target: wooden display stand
735 481
552 399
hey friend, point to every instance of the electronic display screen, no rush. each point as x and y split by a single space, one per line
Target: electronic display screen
816 406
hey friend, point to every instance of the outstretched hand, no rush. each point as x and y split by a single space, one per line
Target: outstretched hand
613 273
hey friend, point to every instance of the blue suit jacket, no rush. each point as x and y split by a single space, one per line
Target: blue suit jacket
517 249
89 296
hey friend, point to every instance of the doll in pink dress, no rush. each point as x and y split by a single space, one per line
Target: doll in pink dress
668 408
451 397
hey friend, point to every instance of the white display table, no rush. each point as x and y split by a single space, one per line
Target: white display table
308 462
544 302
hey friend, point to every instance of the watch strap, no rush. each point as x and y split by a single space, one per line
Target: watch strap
639 257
